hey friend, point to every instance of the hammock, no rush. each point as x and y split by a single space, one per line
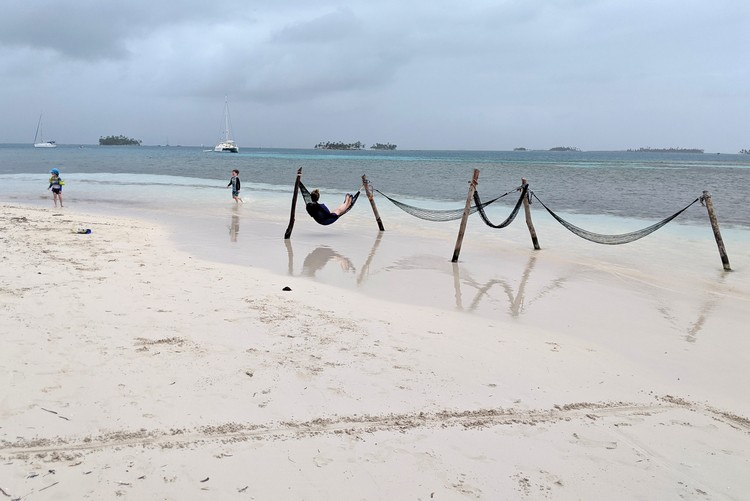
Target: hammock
316 210
439 215
512 215
623 238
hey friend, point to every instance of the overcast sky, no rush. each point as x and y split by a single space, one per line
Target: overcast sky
422 74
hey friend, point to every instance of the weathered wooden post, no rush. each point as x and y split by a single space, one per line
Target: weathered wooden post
288 232
464 219
368 192
715 226
527 211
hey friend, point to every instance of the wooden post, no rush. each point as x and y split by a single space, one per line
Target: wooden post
529 223
288 232
368 192
464 219
717 233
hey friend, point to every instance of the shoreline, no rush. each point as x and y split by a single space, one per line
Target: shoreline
152 369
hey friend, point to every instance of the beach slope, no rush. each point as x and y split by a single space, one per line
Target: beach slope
134 370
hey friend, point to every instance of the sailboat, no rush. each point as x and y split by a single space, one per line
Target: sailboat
39 141
226 144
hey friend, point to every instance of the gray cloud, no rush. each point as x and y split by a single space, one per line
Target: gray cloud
485 74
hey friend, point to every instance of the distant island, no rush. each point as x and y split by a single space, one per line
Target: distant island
381 146
667 150
359 145
744 152
520 149
118 141
338 145
564 148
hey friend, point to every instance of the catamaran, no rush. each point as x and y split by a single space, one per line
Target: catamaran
226 144
39 141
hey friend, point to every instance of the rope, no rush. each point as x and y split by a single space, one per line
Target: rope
512 215
479 206
623 238
440 215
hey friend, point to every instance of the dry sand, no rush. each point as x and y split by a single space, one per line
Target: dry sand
132 370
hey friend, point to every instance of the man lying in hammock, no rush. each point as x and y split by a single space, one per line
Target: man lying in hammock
322 214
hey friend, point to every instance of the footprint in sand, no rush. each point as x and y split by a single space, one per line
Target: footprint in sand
321 461
587 442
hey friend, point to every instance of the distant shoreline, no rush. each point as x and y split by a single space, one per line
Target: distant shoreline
400 150
667 150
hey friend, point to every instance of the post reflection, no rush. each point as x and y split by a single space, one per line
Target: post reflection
290 256
366 267
234 224
482 292
517 300
705 311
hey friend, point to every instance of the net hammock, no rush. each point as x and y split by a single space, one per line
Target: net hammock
510 218
440 215
623 238
308 200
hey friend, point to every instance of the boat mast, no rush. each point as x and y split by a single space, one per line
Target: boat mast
227 137
38 126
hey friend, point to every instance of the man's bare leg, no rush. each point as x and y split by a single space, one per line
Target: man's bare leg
345 206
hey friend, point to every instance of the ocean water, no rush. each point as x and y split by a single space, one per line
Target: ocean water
646 186
184 188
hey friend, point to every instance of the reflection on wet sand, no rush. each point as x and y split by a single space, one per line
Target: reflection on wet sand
705 310
509 290
471 294
319 257
516 299
234 225
366 268
290 256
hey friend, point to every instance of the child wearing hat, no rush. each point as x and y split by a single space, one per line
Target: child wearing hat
56 184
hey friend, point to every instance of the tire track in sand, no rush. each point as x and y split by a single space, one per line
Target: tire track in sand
358 425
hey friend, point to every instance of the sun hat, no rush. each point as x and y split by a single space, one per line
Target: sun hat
54 171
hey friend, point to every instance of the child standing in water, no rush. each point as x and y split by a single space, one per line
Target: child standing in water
56 184
234 182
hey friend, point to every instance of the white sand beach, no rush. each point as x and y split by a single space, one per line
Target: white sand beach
133 369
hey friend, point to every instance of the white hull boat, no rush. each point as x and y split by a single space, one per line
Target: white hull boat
226 144
39 141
